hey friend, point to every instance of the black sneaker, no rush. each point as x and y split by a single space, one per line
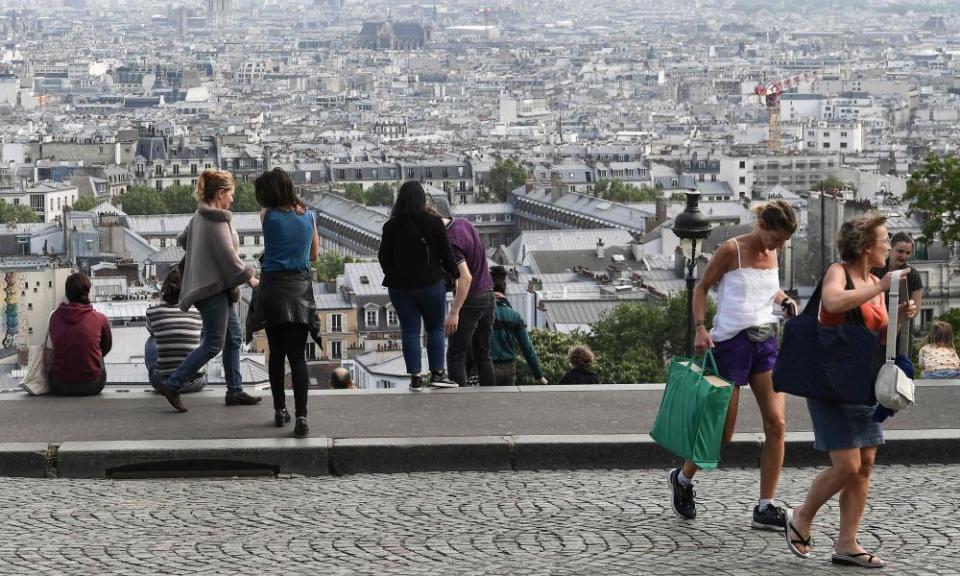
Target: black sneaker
416 381
683 496
770 518
440 380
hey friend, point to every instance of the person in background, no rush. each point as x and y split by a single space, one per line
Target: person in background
212 273
80 337
938 357
849 432
746 271
581 360
469 323
414 253
901 249
174 334
509 331
285 298
340 379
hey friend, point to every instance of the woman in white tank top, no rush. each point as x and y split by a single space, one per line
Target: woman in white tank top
744 343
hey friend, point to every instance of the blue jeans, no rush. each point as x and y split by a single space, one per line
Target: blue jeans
413 305
221 331
943 373
151 356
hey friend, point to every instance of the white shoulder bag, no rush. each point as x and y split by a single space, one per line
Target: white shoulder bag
894 389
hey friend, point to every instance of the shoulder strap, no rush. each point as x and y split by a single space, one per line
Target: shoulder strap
737 244
854 315
893 302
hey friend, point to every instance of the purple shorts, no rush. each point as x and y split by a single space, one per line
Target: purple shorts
738 358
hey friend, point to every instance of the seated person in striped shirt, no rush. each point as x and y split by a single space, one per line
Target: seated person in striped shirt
174 334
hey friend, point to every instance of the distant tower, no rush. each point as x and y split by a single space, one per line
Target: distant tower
182 14
219 11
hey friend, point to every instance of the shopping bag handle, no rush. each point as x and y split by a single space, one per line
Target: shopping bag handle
708 356
893 305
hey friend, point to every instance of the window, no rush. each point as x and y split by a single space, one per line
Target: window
176 170
372 317
158 170
336 322
743 180
256 240
392 318
843 144
743 164
463 198
193 169
336 349
826 144
843 134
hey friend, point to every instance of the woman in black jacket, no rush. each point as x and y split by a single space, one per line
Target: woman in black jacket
414 253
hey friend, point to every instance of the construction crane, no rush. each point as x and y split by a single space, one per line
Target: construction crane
770 97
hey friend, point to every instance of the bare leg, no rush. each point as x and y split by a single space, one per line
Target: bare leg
853 500
689 468
846 465
773 409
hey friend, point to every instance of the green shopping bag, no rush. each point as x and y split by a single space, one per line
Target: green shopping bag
693 411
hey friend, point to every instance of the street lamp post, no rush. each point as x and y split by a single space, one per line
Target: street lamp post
691 226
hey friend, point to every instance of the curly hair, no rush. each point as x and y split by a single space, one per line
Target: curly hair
858 235
777 215
580 356
170 290
210 183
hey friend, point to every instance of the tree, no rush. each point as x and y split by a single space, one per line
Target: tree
503 178
935 190
244 199
354 193
833 183
380 194
552 348
329 265
618 191
635 341
179 199
140 200
83 203
20 213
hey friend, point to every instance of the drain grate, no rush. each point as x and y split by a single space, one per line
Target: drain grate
203 468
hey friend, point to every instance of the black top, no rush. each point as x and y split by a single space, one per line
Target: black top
580 376
914 280
414 250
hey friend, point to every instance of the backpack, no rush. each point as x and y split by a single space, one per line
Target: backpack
412 248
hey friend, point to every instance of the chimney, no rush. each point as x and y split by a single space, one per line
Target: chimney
600 250
636 249
529 184
661 210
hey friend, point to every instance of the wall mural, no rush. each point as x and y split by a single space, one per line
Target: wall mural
11 313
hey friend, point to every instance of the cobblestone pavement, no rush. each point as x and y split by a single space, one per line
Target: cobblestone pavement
527 523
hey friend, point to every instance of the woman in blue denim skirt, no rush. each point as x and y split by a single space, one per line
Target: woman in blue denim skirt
849 432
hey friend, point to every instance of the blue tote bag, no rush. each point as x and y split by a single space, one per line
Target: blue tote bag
833 363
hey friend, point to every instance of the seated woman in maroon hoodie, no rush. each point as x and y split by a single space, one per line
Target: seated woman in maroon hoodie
81 338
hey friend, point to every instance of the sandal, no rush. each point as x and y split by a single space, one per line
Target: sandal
792 542
861 559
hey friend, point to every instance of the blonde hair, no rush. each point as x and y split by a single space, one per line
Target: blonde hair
211 182
580 356
941 335
777 215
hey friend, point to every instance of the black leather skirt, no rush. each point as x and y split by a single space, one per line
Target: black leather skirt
285 297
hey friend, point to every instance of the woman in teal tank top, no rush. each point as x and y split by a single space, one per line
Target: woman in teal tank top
285 297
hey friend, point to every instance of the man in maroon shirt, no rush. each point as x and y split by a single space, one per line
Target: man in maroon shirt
469 323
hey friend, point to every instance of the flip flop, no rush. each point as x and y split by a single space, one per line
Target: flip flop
861 559
792 542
